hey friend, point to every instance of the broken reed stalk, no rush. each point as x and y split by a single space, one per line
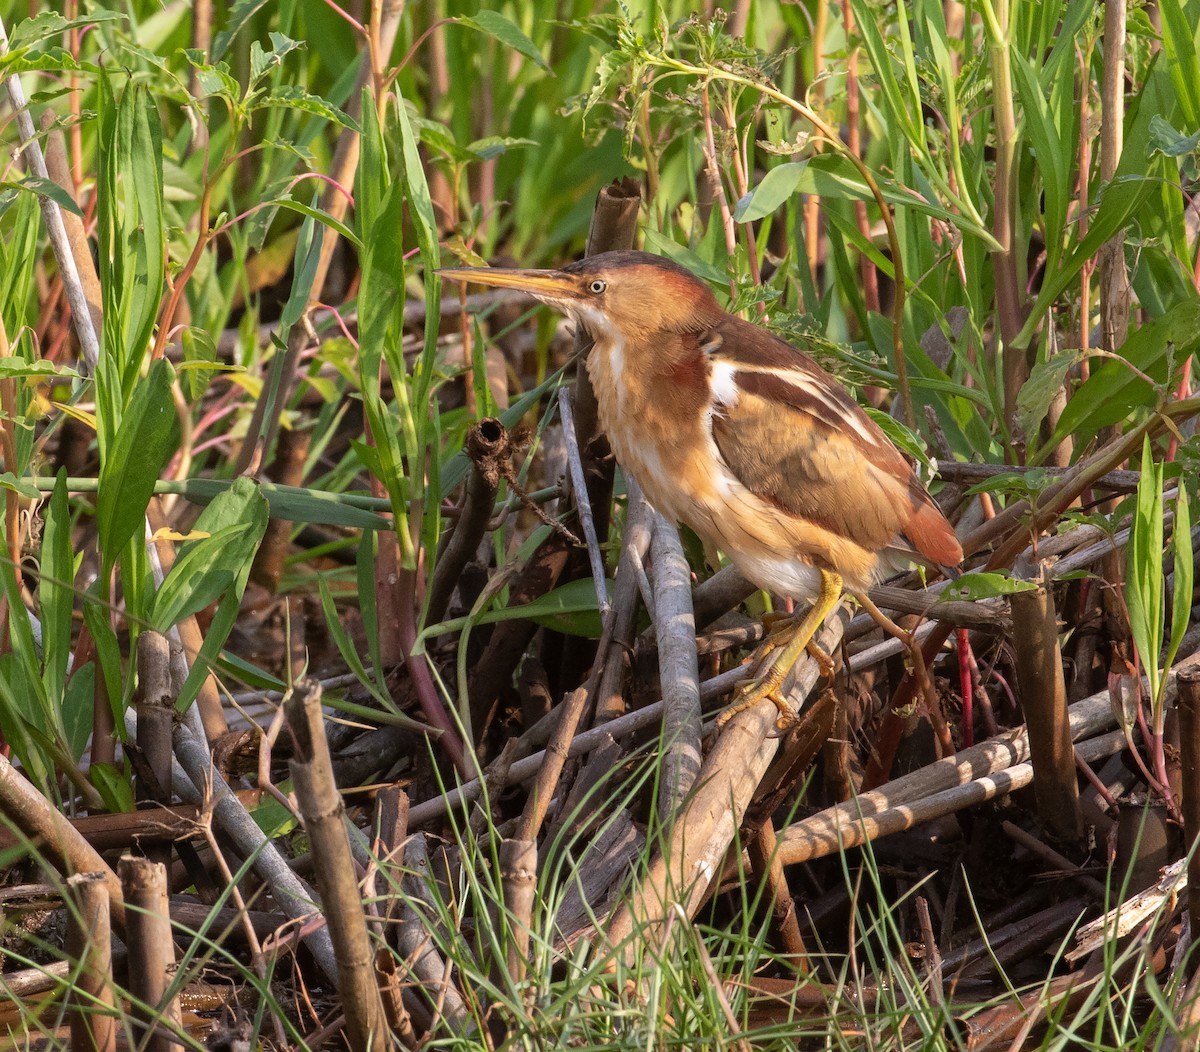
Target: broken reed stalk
93 1020
678 668
151 953
763 850
1044 700
518 877
155 701
204 785
998 765
489 448
341 900
680 876
32 814
1189 743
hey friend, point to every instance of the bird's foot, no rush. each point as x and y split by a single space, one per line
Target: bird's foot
823 660
750 693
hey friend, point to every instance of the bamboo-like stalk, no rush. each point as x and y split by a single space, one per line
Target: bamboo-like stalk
679 673
155 701
1044 699
973 775
89 946
151 953
36 818
341 901
488 446
518 877
680 877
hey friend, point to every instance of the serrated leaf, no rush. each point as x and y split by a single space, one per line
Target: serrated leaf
235 21
294 98
495 25
262 61
1045 381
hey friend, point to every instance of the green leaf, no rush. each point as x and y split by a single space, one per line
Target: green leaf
114 787
40 368
235 21
46 188
262 61
1143 573
775 188
77 709
207 568
19 486
56 589
1113 389
1166 140
1179 52
973 586
204 572
570 609
1045 381
495 25
145 440
294 98
1185 569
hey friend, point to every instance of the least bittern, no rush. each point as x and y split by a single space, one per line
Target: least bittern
744 438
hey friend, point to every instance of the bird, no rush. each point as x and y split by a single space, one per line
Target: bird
744 438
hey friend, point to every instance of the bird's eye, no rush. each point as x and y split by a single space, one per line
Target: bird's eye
597 286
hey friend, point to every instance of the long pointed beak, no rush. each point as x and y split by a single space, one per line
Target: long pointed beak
544 284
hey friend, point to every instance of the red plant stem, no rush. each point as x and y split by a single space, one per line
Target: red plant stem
418 669
964 677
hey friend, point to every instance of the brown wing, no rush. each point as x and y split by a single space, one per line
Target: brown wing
795 438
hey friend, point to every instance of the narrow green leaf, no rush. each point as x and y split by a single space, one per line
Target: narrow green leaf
1185 569
1143 574
495 25
144 442
56 589
1113 389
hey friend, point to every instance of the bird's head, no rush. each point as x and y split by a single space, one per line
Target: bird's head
628 295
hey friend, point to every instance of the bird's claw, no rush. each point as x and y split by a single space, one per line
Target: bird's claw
823 660
751 693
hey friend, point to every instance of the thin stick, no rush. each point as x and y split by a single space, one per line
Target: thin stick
583 501
679 672
81 316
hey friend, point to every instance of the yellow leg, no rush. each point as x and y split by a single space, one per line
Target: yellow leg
792 641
